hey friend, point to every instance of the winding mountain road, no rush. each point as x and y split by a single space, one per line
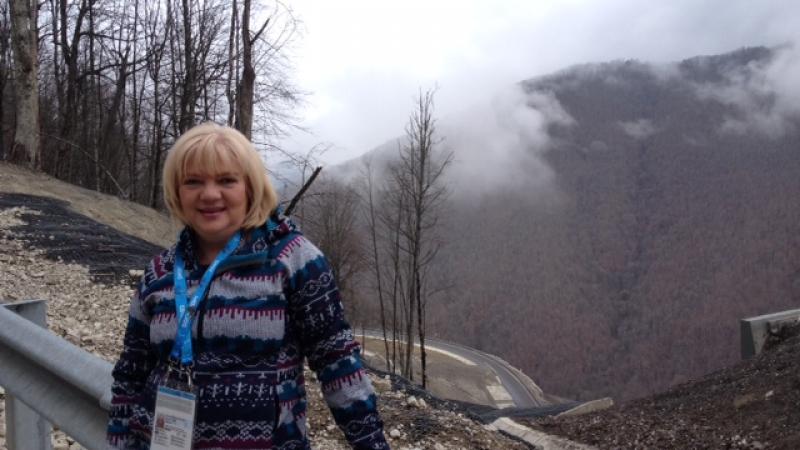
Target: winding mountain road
522 392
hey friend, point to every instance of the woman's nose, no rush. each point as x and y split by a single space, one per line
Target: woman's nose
210 191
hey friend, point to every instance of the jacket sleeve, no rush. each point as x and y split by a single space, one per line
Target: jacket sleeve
130 375
328 343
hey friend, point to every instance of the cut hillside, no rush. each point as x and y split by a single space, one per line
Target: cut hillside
130 218
753 405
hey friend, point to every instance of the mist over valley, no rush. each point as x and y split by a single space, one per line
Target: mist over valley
609 224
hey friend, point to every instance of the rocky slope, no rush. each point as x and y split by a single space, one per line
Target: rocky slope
753 405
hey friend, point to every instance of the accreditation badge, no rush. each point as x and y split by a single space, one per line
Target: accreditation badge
173 421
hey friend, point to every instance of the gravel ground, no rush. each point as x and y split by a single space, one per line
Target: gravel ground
89 309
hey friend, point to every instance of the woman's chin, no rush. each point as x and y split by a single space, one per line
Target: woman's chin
214 234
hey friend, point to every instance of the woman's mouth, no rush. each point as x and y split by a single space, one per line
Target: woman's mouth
211 213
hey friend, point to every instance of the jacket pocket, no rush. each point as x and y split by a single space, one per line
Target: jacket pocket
235 407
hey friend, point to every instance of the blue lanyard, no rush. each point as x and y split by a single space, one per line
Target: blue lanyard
185 311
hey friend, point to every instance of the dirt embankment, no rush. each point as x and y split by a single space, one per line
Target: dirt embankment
753 405
63 235
130 218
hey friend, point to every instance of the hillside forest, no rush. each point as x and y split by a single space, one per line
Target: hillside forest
664 216
670 216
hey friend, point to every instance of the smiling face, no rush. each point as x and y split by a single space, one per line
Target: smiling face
215 183
214 204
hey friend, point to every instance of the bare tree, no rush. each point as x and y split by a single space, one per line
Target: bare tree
333 227
370 217
418 176
69 114
24 40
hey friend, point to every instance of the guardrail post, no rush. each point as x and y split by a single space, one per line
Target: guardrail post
25 428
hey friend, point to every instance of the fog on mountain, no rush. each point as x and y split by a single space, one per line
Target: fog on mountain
611 223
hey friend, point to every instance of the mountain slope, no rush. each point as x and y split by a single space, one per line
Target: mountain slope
667 232
669 215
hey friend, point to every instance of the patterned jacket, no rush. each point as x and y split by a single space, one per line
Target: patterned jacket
271 304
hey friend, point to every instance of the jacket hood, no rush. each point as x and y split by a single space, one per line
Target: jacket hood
253 247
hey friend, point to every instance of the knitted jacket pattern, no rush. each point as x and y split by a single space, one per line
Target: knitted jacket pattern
272 304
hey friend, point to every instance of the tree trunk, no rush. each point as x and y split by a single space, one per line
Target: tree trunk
233 56
376 259
24 40
395 288
5 76
189 71
245 91
420 310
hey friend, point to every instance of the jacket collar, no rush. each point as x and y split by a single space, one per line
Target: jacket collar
253 249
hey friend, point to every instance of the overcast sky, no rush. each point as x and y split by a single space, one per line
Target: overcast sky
363 61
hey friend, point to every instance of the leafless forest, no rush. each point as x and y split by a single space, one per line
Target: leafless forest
635 275
630 273
94 92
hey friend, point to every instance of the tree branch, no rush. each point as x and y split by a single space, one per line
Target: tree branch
263 27
302 190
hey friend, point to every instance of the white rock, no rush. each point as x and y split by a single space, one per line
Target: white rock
395 433
769 394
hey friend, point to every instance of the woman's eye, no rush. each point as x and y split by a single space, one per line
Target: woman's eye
191 181
229 180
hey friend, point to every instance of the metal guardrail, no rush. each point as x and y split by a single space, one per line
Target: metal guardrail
47 379
756 330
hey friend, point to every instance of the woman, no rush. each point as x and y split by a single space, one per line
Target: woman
224 319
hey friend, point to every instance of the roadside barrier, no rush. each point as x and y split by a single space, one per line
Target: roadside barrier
756 330
48 381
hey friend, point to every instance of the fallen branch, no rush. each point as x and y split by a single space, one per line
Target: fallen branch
302 191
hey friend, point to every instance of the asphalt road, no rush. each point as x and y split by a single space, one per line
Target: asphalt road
523 391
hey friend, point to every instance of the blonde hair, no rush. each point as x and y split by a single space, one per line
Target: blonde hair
207 148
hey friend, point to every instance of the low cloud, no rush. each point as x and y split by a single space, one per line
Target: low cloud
638 129
765 96
499 145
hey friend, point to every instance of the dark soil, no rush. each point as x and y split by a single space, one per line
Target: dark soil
755 404
67 236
